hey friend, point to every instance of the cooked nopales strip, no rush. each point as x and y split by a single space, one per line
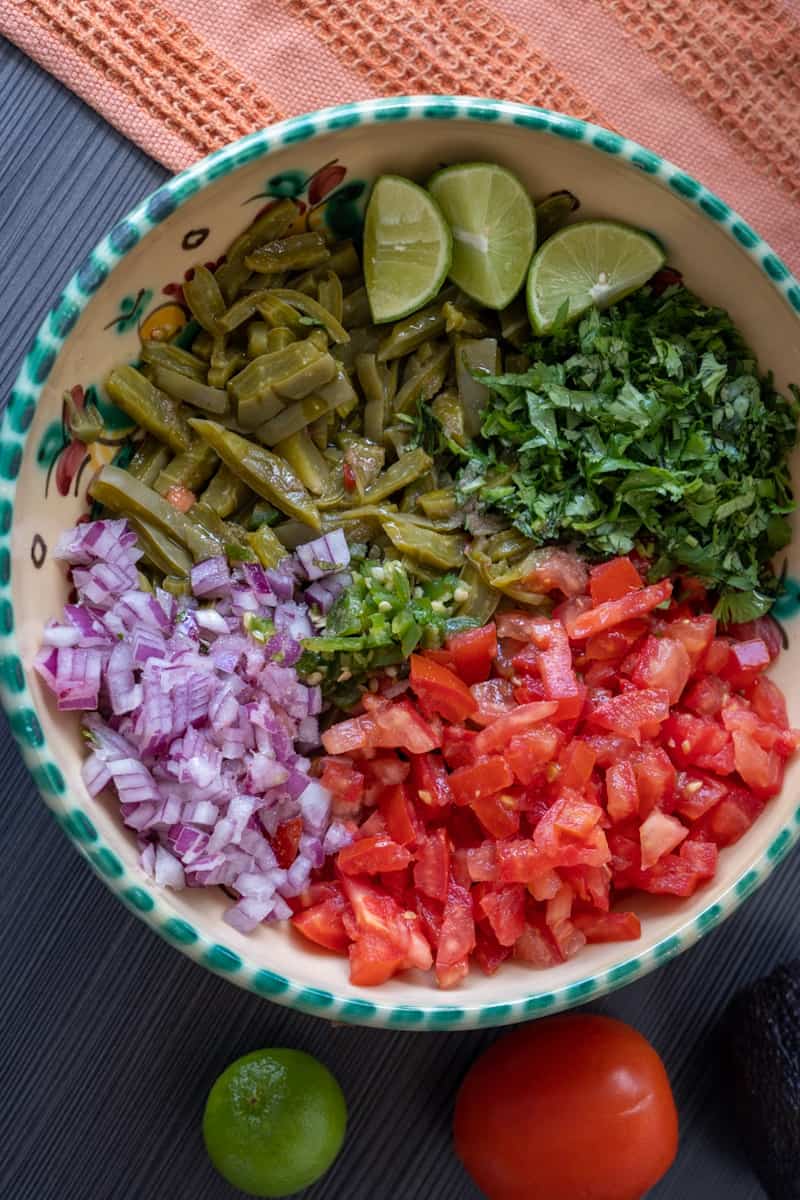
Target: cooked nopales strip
282 390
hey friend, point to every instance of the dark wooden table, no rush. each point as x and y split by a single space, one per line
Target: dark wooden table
109 1038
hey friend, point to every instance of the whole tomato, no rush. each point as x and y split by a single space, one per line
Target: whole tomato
578 1107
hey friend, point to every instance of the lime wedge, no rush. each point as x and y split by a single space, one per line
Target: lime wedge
588 263
407 248
494 229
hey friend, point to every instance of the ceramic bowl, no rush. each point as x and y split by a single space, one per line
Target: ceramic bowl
129 286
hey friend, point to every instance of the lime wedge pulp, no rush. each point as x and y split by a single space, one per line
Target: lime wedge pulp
588 263
494 229
407 248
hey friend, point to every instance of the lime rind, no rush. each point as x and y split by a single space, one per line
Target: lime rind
588 263
493 221
407 248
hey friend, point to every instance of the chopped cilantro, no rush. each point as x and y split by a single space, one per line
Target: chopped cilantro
644 427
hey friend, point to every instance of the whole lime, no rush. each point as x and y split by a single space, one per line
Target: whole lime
274 1122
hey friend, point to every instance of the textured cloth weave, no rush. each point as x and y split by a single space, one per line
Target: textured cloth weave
713 85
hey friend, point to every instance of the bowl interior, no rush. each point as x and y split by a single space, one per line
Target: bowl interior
330 172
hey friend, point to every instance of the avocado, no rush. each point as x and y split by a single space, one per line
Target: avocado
761 1040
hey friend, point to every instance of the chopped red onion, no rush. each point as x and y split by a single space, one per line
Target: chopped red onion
211 578
325 555
323 593
198 723
314 803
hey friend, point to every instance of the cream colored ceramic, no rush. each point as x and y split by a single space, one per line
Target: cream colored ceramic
327 160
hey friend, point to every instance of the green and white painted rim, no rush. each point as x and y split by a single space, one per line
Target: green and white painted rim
133 888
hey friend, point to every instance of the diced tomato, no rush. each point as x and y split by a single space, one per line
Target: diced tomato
498 814
485 776
576 761
583 780
663 663
387 769
571 609
432 868
614 612
528 690
419 951
458 746
655 778
451 976
702 857
716 656
529 752
738 718
616 642
559 907
493 698
698 742
457 940
761 770
568 939
322 923
557 670
519 625
622 795
600 675
765 628
626 714
373 825
398 726
592 885
430 914
374 959
608 927
397 884
671 876
497 735
371 854
557 570
505 911
746 662
697 793
727 821
610 747
286 840
373 911
489 954
546 885
707 695
402 822
768 702
659 834
473 652
429 777
345 784
536 945
612 580
519 861
694 633
180 497
570 815
440 690
357 733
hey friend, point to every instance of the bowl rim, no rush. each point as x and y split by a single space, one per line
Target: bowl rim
138 892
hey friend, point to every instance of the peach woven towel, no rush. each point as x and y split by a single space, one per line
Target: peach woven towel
713 85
